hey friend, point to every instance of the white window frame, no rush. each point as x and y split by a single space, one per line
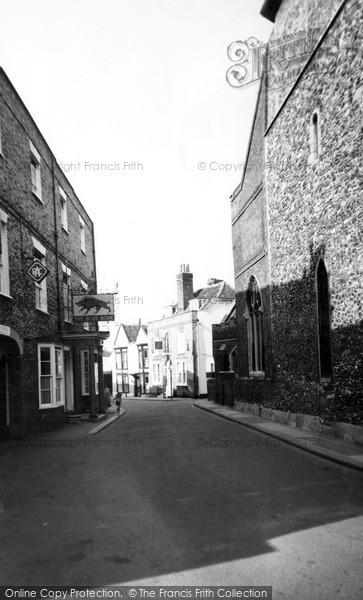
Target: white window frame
37 182
1 142
4 255
157 373
67 294
56 380
64 209
181 372
85 378
82 233
41 296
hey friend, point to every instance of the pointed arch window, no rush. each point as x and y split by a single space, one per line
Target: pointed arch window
254 317
323 311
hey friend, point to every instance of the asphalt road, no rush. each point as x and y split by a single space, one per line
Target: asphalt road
171 495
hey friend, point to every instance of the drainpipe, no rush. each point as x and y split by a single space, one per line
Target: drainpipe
60 321
94 262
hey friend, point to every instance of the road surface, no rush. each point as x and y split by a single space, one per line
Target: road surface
171 495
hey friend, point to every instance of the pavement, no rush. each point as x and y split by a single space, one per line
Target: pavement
339 451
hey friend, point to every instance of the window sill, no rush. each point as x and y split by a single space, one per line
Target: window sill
6 295
65 230
83 252
44 312
48 406
39 198
257 375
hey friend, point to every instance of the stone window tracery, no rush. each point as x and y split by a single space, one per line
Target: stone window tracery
254 318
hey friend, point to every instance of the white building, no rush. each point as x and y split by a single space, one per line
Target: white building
180 344
129 360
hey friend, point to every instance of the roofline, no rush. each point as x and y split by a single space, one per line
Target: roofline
3 73
252 130
270 9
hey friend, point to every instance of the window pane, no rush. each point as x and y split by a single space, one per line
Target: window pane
46 393
45 364
58 363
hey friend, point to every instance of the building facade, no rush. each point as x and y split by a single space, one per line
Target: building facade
221 388
48 365
297 218
130 360
181 350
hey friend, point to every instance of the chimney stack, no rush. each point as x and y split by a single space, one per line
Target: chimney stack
184 282
213 281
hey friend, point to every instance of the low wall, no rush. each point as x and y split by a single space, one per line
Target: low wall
341 431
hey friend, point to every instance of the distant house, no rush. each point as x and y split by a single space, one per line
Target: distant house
130 360
181 353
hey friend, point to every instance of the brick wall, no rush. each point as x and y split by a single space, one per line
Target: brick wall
28 218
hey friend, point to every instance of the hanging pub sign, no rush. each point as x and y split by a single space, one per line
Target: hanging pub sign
93 307
37 271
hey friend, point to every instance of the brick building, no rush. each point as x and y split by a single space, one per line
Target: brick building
48 365
297 217
180 344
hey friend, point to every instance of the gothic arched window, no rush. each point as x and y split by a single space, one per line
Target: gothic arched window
323 308
314 136
254 317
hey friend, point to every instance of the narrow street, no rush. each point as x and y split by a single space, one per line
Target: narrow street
171 495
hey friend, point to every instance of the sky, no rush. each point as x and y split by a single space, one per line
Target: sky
131 96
